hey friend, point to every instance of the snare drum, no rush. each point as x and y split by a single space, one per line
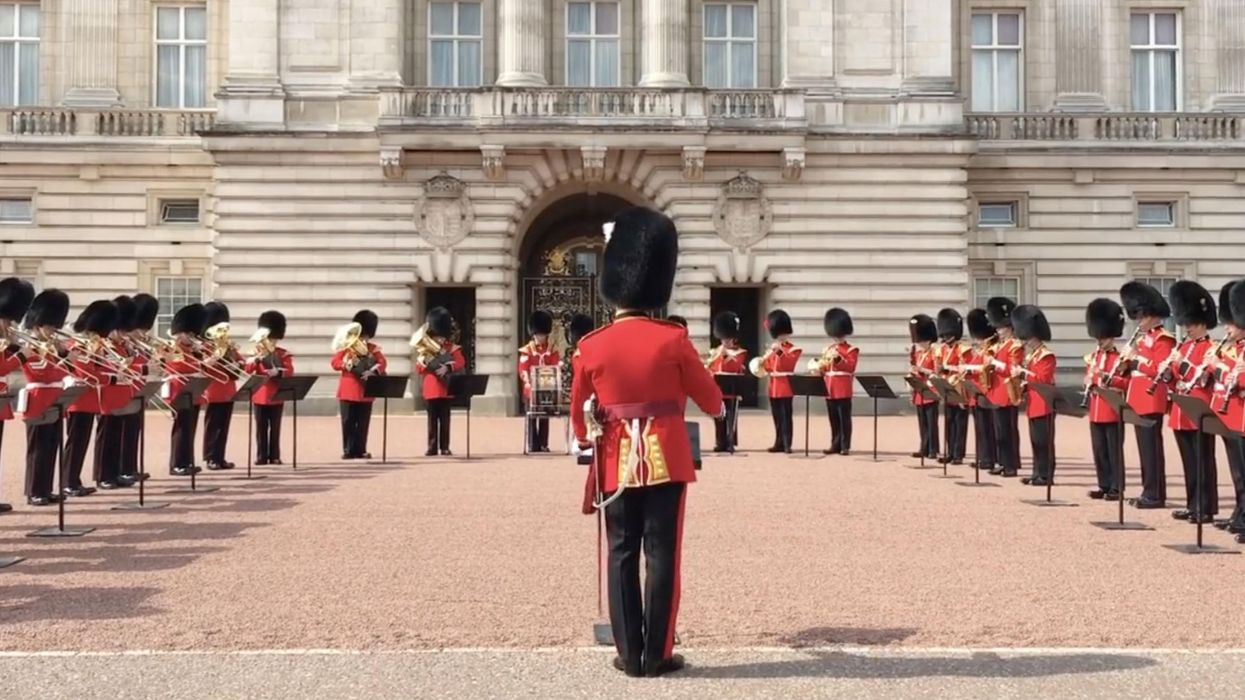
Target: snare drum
546 389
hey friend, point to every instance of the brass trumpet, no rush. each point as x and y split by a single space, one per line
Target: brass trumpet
219 351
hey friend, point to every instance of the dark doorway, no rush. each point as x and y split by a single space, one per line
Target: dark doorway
745 301
461 302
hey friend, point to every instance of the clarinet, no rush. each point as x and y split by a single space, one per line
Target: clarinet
1200 376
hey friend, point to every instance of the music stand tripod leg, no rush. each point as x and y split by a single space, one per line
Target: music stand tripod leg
60 530
1199 547
384 431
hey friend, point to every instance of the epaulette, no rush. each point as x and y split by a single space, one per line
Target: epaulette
851 348
1089 358
1164 332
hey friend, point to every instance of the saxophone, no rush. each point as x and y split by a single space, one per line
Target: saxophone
1015 388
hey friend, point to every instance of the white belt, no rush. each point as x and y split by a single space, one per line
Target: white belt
836 373
44 385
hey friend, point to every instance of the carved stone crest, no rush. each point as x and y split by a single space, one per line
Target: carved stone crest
391 162
493 161
693 163
443 216
792 163
594 162
742 215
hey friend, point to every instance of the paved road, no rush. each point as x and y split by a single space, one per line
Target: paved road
584 673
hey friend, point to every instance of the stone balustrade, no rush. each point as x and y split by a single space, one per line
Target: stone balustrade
132 123
1130 127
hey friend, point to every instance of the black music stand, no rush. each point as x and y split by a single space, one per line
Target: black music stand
385 387
469 386
731 385
185 399
1119 404
1208 423
1066 402
295 389
948 395
876 387
974 391
246 393
808 386
922 388
48 417
138 407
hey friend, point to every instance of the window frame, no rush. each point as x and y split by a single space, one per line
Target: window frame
1171 205
729 40
592 38
1011 204
167 311
165 202
1009 275
455 39
18 40
995 48
181 43
18 197
1152 49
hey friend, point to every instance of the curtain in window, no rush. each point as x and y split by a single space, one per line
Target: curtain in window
196 76
743 68
469 18
1141 81
579 18
468 63
1165 81
1009 81
715 64
168 76
579 63
8 90
196 23
441 60
715 21
607 63
983 81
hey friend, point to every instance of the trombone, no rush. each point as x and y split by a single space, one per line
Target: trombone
220 345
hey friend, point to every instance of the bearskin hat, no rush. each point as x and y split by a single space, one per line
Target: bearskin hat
922 329
950 324
146 308
125 312
15 298
979 324
1030 323
540 323
778 323
1104 319
1236 300
440 322
638 265
214 312
188 319
1140 299
1191 303
49 308
368 321
838 323
999 311
675 318
580 325
727 325
1225 302
99 317
274 321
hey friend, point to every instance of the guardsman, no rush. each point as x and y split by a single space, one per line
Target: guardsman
355 360
922 364
953 354
436 368
977 370
640 373
45 366
1004 390
779 363
1229 378
1033 331
15 298
273 361
1140 364
146 309
220 357
182 362
1104 322
579 326
728 358
93 327
837 366
538 352
1194 310
114 396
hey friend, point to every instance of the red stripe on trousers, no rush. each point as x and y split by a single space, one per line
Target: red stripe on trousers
678 560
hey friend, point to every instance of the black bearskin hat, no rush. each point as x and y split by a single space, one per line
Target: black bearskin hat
979 324
1225 302
274 321
49 308
1191 303
188 319
369 321
778 323
922 329
540 323
727 325
638 265
214 312
126 310
1140 299
1236 300
580 325
99 317
146 308
1104 319
838 323
999 311
1030 323
440 322
950 324
675 318
15 298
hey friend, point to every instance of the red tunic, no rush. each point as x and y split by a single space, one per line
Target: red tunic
1099 370
926 363
223 386
9 362
435 387
636 361
1192 353
350 387
1041 363
975 358
266 394
533 355
1231 356
44 379
730 362
1009 353
97 376
185 364
781 365
116 395
1153 348
841 373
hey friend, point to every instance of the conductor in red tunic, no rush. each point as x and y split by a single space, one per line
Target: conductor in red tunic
641 371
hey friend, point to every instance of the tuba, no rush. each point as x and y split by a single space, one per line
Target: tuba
427 349
349 338
265 349
221 346
825 361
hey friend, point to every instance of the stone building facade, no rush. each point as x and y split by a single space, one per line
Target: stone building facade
888 156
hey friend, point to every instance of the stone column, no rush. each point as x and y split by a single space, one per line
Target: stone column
89 28
664 43
807 37
1079 64
1227 17
928 65
523 44
376 42
252 95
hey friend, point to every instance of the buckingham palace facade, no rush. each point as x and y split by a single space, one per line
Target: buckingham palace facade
887 156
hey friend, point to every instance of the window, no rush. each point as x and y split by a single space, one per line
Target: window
1156 214
19 54
986 287
1164 285
730 45
998 66
181 57
179 211
592 58
996 214
17 210
455 38
586 263
174 293
1155 40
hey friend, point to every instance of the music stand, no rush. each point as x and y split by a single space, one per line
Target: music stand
948 395
470 386
975 392
246 392
295 389
731 385
385 387
1064 401
48 417
137 406
1119 404
1208 423
808 386
876 387
920 387
186 399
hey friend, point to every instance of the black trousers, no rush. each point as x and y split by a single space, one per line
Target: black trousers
356 419
108 438
840 411
726 429
1007 438
216 420
78 429
438 424
1107 443
783 414
537 434
131 431
268 432
956 422
927 423
182 450
649 518
983 430
43 446
1153 461
1187 441
1235 447
1042 441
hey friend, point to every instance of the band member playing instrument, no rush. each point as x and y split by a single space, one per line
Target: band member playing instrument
953 354
357 358
779 363
579 326
436 364
1140 363
273 361
837 365
640 373
45 365
1104 321
114 396
1033 330
727 358
222 364
92 327
1229 378
181 362
141 346
15 298
1004 390
977 369
1194 310
922 364
539 352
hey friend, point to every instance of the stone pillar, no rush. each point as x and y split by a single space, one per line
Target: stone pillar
664 43
928 65
1228 20
807 37
252 95
89 28
376 42
1079 65
523 43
